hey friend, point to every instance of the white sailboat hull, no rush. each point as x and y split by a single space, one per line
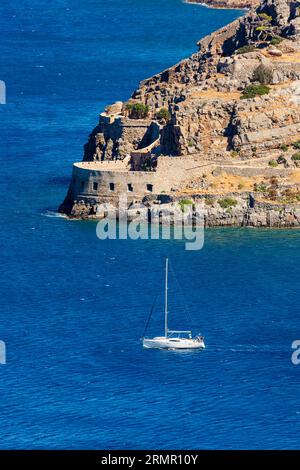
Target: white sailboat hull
161 342
173 339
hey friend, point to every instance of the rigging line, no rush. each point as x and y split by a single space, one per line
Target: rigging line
125 322
187 313
149 318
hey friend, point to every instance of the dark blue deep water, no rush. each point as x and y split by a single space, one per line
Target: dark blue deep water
73 308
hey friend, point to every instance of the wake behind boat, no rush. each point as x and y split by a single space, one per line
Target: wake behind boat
173 339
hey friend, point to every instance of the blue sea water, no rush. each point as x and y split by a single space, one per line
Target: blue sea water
73 308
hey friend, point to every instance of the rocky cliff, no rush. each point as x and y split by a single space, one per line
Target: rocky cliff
234 104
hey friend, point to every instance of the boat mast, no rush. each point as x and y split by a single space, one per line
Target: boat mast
166 299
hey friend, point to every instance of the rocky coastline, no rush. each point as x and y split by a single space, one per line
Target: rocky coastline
246 212
222 128
227 4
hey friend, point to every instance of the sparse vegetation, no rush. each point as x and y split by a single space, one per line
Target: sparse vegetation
265 17
137 110
296 157
190 143
296 145
185 202
260 187
227 202
245 49
261 28
163 115
263 75
284 147
252 91
240 186
273 163
147 164
289 196
272 193
234 154
276 40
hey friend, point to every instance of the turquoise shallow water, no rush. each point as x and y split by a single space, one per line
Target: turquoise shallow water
73 308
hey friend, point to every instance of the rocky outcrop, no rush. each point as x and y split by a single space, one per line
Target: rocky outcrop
236 98
227 3
203 93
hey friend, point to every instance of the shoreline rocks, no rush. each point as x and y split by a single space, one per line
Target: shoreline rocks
227 4
246 213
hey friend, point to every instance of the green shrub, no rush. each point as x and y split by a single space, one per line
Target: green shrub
296 145
260 187
185 202
163 115
276 40
245 49
263 75
296 157
284 147
240 186
261 28
190 143
265 17
227 202
273 163
234 154
281 159
252 91
137 110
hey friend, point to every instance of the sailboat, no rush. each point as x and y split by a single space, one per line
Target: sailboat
173 339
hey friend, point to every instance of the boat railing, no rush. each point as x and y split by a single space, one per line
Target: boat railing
179 332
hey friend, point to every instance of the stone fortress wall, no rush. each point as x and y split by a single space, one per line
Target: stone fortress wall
105 181
116 136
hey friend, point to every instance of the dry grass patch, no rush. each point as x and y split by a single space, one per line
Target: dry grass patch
295 176
225 183
219 95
